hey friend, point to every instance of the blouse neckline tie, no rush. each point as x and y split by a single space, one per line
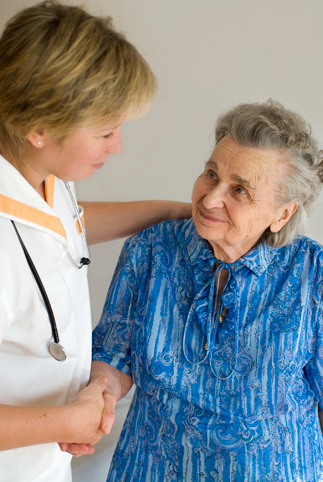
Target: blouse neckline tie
202 323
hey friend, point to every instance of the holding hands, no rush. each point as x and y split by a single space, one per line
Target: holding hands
96 407
86 413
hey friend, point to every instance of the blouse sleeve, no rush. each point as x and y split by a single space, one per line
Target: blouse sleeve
314 368
112 336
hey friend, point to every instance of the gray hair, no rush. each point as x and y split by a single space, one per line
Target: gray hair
271 126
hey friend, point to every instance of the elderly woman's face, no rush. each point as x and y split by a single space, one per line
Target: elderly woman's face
235 198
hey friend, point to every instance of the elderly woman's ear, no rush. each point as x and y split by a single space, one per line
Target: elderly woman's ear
284 216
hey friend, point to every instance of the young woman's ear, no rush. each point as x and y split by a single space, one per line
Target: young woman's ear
36 138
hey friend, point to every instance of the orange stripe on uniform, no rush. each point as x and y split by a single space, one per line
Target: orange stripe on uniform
49 190
23 211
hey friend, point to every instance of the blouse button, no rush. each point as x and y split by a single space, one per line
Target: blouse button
228 299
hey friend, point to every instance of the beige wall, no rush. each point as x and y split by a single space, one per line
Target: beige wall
208 56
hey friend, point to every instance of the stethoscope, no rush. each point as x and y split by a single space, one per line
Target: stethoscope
55 349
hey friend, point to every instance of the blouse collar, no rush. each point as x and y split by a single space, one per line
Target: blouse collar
200 252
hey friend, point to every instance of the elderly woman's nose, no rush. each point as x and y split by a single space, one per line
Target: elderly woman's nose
215 197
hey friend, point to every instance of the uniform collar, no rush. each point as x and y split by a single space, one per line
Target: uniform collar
20 202
200 252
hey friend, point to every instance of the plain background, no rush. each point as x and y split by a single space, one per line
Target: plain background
208 56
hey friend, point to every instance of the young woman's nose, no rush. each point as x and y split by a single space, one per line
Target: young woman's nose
116 146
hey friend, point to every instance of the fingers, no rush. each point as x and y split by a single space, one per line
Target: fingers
108 416
87 417
77 449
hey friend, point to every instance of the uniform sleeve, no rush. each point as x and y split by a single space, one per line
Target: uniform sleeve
314 368
112 336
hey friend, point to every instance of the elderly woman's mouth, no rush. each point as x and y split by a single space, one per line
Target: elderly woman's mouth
214 218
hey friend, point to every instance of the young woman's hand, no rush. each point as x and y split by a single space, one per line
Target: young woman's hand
106 422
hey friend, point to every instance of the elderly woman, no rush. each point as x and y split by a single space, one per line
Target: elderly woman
218 320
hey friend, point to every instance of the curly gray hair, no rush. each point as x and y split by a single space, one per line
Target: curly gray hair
271 126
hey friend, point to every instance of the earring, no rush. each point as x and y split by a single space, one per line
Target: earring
39 143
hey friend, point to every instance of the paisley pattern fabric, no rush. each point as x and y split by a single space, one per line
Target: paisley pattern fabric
232 401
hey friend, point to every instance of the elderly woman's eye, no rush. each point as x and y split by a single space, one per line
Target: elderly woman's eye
211 174
240 190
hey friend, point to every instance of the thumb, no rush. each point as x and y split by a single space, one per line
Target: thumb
108 416
102 382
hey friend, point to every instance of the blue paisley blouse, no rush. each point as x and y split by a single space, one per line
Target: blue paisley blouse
218 398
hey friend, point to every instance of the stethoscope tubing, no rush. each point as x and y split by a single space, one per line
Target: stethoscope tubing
40 286
54 348
86 260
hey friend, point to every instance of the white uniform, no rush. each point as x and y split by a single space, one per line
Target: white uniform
28 374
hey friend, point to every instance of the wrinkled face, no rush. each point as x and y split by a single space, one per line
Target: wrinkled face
235 198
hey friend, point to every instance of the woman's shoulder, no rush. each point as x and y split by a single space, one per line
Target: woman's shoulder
168 238
177 230
303 254
306 245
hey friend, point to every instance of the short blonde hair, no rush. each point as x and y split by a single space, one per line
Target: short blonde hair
271 126
62 68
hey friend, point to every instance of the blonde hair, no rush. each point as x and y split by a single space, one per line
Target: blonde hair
62 68
271 126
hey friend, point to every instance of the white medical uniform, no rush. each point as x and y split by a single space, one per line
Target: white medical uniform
28 374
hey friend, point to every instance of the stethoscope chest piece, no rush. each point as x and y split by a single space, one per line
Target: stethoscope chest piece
57 351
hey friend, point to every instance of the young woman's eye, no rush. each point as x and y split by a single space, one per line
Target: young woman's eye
106 136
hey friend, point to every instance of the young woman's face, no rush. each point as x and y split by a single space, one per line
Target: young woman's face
80 155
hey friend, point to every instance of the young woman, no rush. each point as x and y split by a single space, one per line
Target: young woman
68 81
